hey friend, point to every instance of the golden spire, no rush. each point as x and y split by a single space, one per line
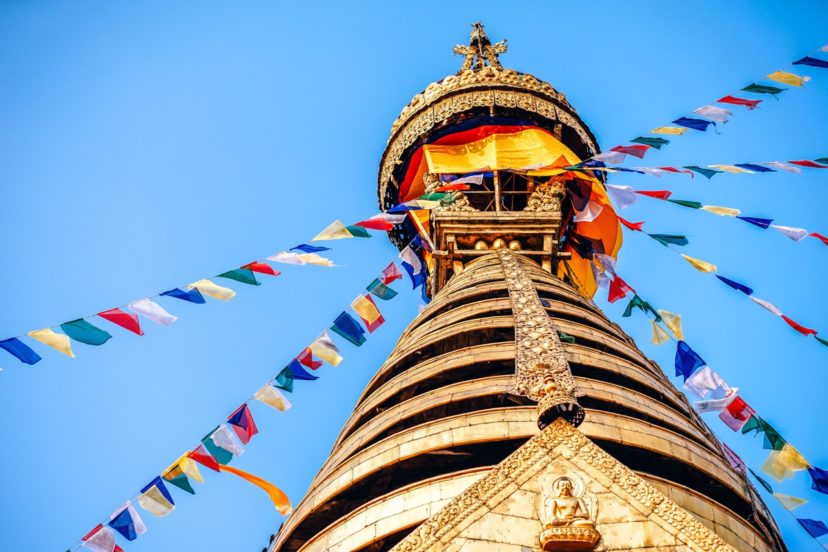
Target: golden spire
480 47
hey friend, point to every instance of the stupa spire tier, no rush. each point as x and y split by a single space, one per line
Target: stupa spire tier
480 50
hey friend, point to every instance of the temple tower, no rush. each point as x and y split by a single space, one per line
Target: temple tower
512 414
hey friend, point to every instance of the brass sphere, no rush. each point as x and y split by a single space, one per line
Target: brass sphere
499 243
514 245
480 245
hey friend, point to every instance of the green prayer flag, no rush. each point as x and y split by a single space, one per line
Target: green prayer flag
823 160
181 482
667 239
708 173
222 456
762 89
84 332
243 275
436 196
381 290
824 342
753 424
358 231
652 142
772 441
565 337
640 303
284 380
685 203
761 481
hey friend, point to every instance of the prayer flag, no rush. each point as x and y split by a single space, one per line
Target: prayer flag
659 335
754 167
391 273
736 285
614 157
704 381
152 311
243 424
335 231
695 124
243 275
100 539
819 479
640 303
685 203
273 397
123 319
181 482
698 264
623 196
796 234
305 358
668 130
761 89
314 259
814 527
382 221
638 150
736 413
381 290
761 481
651 142
760 222
298 373
722 211
225 438
279 498
127 522
750 104
589 213
306 248
812 61
672 321
412 264
714 113
601 279
687 360
789 502
347 327
477 178
707 173
716 405
652 171
179 471
618 289
637 226
325 348
358 231
84 332
201 455
732 169
156 499
798 327
809 164
766 305
213 290
262 268
782 464
668 239
220 454
782 166
820 237
56 341
20 350
658 194
788 78
453 187
193 296
733 459
772 439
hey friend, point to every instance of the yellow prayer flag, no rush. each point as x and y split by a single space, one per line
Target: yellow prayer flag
335 231
56 341
722 211
366 309
327 353
183 466
672 321
155 503
669 130
316 259
732 169
781 464
789 502
788 78
659 335
273 397
279 498
213 290
427 203
698 264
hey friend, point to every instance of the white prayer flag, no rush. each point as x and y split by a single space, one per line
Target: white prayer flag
153 311
783 167
771 307
714 113
100 540
226 439
796 234
624 196
715 405
590 213
273 397
705 380
614 157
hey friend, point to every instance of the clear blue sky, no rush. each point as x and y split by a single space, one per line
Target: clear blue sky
147 145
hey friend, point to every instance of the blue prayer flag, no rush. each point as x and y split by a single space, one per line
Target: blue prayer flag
297 372
687 361
310 248
762 223
347 327
736 285
82 331
819 479
124 524
193 296
20 350
754 167
814 527
695 124
812 61
414 266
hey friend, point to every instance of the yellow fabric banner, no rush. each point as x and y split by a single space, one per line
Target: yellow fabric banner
335 231
316 259
279 498
669 130
672 321
273 397
522 150
155 503
789 502
788 78
365 309
183 466
698 264
213 290
782 464
56 341
733 169
722 211
659 335
325 348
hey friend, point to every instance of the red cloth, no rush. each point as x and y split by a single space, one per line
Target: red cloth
376 224
618 289
810 164
798 327
375 324
750 104
736 414
631 225
305 358
675 170
638 150
242 423
123 319
820 237
262 268
391 273
658 194
453 188
204 458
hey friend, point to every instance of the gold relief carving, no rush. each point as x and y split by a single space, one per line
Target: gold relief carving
568 522
547 196
529 460
541 369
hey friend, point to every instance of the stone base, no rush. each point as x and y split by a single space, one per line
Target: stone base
569 538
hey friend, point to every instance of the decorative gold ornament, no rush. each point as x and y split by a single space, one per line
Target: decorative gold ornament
459 201
481 47
481 245
499 243
547 196
568 522
541 369
514 245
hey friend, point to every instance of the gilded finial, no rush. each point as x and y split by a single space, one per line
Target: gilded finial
480 47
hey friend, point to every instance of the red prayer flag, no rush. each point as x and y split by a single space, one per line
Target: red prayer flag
453 188
736 414
391 273
658 194
675 170
123 319
376 224
810 164
379 322
798 327
262 268
817 235
638 150
618 289
631 225
203 457
242 423
750 104
305 358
